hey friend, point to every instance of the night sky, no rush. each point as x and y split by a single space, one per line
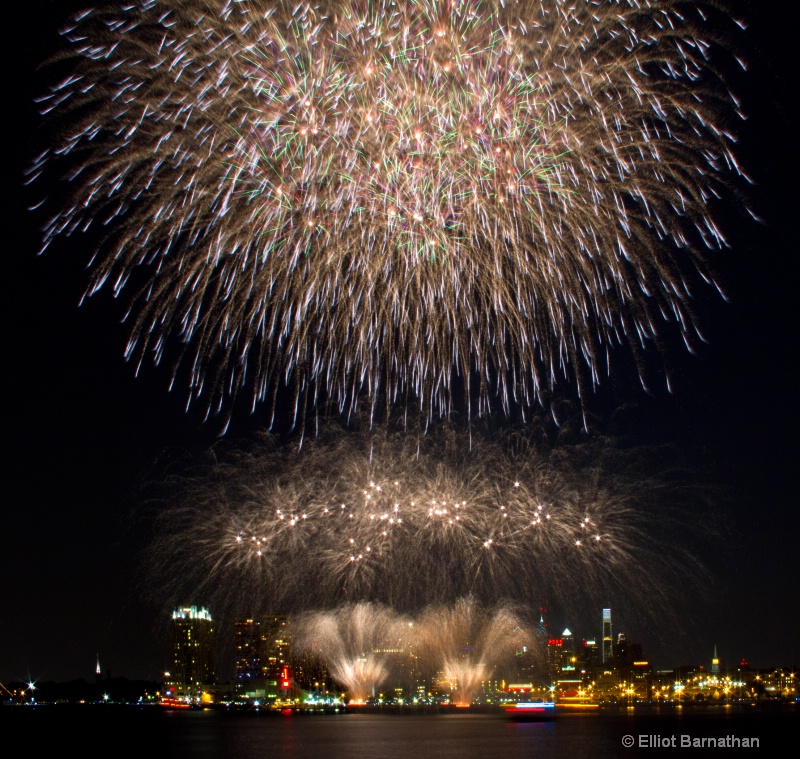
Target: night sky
82 434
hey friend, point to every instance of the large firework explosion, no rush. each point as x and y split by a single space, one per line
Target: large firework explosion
408 521
396 201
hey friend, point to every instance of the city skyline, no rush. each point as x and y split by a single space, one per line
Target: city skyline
85 433
281 662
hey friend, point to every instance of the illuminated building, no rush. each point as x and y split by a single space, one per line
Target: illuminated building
555 648
542 628
626 652
590 655
608 638
526 664
568 659
310 670
276 649
715 662
98 679
263 652
249 650
194 652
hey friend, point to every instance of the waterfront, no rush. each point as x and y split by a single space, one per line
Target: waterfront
149 731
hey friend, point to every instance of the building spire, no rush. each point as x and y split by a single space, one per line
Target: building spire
715 662
97 671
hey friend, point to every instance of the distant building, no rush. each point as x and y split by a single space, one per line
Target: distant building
194 651
590 655
249 649
266 668
277 646
568 658
527 665
626 652
555 648
263 652
262 647
310 671
608 637
541 630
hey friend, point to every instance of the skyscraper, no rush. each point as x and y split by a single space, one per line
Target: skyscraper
277 646
568 660
249 650
608 638
194 653
590 654
555 647
262 647
542 628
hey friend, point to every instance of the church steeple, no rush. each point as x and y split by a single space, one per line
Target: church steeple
715 662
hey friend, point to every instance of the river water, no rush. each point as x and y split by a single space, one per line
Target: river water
113 731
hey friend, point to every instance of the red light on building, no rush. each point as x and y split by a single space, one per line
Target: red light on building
555 642
285 677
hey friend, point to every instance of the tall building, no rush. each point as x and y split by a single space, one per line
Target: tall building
715 662
626 652
590 654
263 667
568 659
262 647
249 650
542 628
555 647
277 646
194 650
310 671
608 637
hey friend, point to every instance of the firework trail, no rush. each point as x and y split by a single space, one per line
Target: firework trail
408 521
420 201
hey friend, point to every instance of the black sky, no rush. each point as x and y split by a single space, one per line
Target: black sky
81 432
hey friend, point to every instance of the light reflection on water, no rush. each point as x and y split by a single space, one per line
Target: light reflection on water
151 733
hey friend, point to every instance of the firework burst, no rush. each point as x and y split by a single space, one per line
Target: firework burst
395 201
409 521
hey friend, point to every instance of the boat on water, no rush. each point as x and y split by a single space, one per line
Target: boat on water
529 711
577 706
168 702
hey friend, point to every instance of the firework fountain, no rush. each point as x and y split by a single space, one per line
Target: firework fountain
468 641
461 644
353 640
